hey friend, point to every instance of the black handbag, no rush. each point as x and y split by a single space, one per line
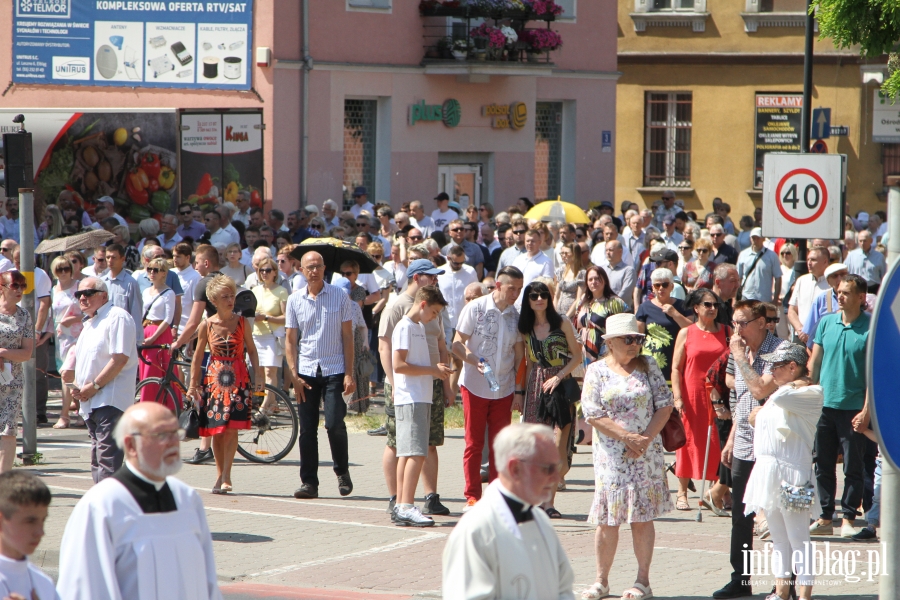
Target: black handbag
190 422
571 390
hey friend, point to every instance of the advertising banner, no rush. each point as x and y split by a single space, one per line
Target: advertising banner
83 156
221 156
885 119
778 122
133 43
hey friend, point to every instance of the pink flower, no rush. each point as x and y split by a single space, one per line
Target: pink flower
493 35
546 7
542 39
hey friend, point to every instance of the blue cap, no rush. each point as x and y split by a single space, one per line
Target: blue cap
360 191
422 266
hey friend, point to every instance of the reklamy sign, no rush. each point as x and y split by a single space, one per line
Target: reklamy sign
777 128
506 116
449 112
885 119
133 43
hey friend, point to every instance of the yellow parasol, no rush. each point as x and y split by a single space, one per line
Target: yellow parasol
557 210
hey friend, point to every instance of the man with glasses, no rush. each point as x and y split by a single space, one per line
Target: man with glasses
517 247
669 235
106 367
361 202
620 272
98 269
825 303
217 235
667 205
329 214
168 236
807 288
419 219
242 213
453 285
6 254
364 225
723 252
866 261
319 352
752 383
758 267
470 229
297 220
189 227
474 255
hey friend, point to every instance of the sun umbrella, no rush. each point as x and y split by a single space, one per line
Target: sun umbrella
335 252
79 241
557 210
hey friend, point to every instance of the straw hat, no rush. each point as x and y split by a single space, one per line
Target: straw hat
620 325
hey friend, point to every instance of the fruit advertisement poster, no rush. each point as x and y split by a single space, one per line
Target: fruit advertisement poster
83 156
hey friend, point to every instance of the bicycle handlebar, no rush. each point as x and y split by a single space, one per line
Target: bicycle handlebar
176 353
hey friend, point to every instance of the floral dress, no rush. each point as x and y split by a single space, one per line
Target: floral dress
13 329
549 356
627 490
225 402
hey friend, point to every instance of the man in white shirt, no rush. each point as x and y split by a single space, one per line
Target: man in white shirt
105 372
168 236
419 219
533 263
518 228
243 209
98 269
217 235
806 289
443 214
361 203
188 277
111 208
453 284
225 223
474 255
599 254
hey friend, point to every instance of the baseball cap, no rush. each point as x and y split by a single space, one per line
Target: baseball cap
422 266
863 217
665 254
835 268
787 352
109 200
756 232
442 196
360 191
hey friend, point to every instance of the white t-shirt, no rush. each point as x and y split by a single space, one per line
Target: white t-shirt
163 305
43 288
22 577
188 278
441 219
806 290
356 209
409 389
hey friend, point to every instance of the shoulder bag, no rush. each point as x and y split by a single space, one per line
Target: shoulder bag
740 289
190 422
673 436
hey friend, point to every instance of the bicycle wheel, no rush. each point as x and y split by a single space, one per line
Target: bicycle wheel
164 395
272 436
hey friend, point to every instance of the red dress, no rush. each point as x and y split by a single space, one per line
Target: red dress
701 349
225 393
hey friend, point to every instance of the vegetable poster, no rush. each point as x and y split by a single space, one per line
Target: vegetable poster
133 43
221 157
83 156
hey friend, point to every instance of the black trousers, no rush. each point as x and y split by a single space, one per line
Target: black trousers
741 526
325 390
834 434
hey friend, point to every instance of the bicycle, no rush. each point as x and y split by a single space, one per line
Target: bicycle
271 436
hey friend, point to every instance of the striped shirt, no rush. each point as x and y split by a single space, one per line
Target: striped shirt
740 412
318 321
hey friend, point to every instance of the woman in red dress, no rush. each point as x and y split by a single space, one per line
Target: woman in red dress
223 400
696 348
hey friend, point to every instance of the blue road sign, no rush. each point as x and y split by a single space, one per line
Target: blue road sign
821 123
881 365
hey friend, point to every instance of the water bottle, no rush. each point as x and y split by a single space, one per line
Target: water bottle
489 375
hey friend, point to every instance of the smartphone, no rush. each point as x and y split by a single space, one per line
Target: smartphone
181 53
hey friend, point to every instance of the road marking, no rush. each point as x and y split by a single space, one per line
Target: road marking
425 537
50 446
716 552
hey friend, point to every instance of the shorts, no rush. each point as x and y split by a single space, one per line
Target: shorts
413 424
436 436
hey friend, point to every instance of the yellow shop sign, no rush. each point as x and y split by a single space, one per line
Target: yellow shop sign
506 116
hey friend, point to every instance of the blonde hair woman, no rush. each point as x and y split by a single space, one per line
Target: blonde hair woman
159 316
67 323
223 398
234 268
699 272
268 326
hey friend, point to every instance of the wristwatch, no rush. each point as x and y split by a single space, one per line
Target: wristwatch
266 318
96 385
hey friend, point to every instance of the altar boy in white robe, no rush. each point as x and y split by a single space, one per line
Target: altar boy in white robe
505 547
140 534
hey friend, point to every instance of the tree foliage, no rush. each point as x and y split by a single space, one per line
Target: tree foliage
873 25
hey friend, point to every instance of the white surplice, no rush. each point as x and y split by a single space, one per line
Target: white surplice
112 550
491 557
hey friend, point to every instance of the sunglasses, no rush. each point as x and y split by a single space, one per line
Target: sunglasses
362 224
632 339
685 248
348 274
535 296
314 226
716 234
491 287
456 229
377 256
85 294
4 250
785 253
520 231
64 270
457 265
266 270
772 320
186 212
19 286
154 270
702 250
415 237
662 285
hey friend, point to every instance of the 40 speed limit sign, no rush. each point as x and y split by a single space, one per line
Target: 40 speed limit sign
802 195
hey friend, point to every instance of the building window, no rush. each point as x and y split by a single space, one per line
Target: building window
782 6
359 146
570 10
377 5
662 5
667 140
890 161
547 149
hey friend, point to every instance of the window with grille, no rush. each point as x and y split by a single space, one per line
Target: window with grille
890 161
547 149
359 146
782 6
664 5
667 141
370 4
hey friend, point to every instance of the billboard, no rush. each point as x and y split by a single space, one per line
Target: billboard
133 43
778 119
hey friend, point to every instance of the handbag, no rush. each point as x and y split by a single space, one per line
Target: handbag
190 422
571 390
673 436
797 498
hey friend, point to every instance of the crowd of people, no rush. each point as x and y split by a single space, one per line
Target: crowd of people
623 322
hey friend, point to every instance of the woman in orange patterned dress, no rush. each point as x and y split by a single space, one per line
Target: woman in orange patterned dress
224 399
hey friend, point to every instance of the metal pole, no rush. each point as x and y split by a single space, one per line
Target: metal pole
26 263
806 110
889 585
304 143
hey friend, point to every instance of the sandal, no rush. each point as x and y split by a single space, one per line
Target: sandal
681 502
553 513
708 503
595 592
643 592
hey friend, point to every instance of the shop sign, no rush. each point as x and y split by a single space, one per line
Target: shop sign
885 119
506 116
133 43
449 112
778 121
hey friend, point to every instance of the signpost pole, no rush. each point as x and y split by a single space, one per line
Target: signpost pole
806 109
889 586
26 262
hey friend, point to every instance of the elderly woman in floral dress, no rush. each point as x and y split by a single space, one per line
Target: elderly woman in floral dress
625 398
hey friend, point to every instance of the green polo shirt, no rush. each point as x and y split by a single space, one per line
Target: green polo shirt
843 372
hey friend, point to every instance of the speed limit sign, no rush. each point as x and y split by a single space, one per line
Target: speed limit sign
802 195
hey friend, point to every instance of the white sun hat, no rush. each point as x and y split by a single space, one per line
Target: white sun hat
620 325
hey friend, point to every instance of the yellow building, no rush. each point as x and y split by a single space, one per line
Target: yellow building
708 85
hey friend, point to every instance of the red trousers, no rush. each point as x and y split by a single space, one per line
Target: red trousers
481 413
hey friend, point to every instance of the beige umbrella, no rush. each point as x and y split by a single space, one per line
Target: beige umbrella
79 241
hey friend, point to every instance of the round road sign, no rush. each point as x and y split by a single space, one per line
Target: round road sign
801 196
819 147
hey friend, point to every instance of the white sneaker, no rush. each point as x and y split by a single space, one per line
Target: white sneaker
848 531
413 517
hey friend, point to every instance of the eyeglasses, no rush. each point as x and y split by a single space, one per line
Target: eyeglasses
162 436
20 286
415 237
314 267
64 270
85 293
786 254
661 285
772 320
716 234
457 265
154 270
742 324
266 270
454 230
685 248
348 274
780 364
702 250
632 339
709 305
519 231
100 259
545 468
535 296
482 208
579 236
4 250
362 224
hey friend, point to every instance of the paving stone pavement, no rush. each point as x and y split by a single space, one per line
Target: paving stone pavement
268 544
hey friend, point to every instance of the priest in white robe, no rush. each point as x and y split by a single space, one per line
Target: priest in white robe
506 547
140 534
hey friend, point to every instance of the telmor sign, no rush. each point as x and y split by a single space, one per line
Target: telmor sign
450 112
